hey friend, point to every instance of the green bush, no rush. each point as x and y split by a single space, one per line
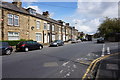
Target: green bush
14 42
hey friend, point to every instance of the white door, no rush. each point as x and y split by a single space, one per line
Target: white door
48 38
45 38
53 37
63 37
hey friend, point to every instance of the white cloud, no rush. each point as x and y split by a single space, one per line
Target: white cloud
98 0
98 9
87 26
66 0
51 14
89 15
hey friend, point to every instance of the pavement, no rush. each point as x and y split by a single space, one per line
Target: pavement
105 67
109 68
68 61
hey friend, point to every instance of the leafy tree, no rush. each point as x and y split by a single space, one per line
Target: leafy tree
109 27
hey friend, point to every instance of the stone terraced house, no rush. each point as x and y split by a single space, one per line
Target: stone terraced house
20 23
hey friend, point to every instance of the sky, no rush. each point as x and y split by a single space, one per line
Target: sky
85 15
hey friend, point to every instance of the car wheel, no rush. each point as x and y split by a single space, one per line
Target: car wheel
26 49
57 45
40 47
8 52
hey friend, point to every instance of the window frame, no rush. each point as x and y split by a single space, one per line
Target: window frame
48 26
45 25
12 17
15 19
37 25
39 37
53 29
14 35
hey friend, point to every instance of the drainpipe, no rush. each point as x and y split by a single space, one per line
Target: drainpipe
2 26
65 33
43 36
50 32
62 32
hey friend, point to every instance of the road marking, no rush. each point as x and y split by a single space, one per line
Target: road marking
64 64
108 50
68 74
64 76
93 64
74 66
68 66
50 64
61 71
103 50
72 70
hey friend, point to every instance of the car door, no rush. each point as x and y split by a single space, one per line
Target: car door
35 44
30 45
0 48
60 42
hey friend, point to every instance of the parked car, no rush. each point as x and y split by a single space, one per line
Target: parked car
5 48
78 40
100 40
57 43
72 41
28 45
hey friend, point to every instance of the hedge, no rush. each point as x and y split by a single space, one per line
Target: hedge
14 42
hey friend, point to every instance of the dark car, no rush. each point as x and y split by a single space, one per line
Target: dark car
5 48
100 40
57 43
28 45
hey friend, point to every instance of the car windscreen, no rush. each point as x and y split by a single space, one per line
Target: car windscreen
20 43
56 41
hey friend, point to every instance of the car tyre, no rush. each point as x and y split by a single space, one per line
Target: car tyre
57 45
8 52
40 47
26 49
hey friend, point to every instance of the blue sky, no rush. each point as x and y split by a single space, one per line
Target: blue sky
85 15
58 10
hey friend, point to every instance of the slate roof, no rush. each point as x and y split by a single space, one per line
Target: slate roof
13 7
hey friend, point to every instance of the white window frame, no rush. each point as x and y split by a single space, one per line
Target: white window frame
37 25
13 34
39 37
53 37
16 18
48 26
10 17
53 28
45 26
59 29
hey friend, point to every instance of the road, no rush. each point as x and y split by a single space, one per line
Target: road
68 61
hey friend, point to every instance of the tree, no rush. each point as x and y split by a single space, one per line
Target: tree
109 26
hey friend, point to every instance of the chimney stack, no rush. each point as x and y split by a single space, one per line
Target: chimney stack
18 3
46 14
67 24
60 21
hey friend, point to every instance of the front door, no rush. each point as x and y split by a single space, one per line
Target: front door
45 38
48 38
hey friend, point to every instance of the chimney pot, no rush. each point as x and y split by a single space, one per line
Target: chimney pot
18 3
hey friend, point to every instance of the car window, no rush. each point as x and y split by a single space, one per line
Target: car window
56 41
4 44
34 42
29 42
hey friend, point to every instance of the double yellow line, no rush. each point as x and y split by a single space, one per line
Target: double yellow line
93 64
